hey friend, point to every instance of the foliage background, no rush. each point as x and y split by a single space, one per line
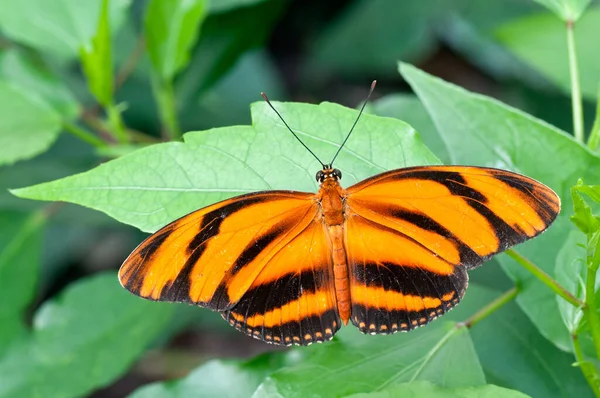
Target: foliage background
82 83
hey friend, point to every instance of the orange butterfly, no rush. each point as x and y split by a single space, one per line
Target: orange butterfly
390 253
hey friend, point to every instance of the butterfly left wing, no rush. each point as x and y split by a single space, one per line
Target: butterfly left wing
411 235
261 259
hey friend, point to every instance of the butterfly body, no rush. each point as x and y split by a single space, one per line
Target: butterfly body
389 253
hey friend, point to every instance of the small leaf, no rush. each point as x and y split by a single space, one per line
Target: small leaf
567 10
427 389
155 185
571 274
582 216
481 131
82 340
59 27
172 28
97 60
540 41
28 126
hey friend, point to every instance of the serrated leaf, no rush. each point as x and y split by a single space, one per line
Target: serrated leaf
28 126
171 28
427 389
567 10
582 212
540 41
215 379
440 353
482 131
17 68
96 59
155 185
56 26
81 341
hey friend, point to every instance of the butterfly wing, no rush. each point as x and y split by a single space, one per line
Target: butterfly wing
411 235
261 259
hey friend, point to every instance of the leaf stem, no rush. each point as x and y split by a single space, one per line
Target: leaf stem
590 310
594 140
576 101
588 370
83 134
165 97
116 123
545 278
490 308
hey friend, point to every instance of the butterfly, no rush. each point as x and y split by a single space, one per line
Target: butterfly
389 254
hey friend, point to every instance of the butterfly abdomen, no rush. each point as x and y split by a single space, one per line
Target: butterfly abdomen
340 272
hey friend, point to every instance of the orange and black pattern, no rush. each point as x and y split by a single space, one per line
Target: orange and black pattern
265 260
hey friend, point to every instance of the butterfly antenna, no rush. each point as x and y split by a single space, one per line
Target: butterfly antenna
291 131
356 121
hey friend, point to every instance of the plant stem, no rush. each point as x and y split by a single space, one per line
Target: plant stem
116 123
594 140
588 370
83 134
589 310
165 98
506 297
575 88
545 278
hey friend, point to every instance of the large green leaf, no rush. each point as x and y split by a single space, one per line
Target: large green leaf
81 341
408 108
156 185
441 353
215 379
20 247
540 41
427 389
56 26
482 131
28 126
567 10
172 28
17 68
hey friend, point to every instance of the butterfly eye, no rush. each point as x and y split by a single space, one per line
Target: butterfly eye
320 176
337 174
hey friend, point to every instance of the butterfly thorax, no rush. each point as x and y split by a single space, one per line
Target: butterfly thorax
331 198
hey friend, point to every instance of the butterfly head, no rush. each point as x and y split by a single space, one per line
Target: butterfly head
328 173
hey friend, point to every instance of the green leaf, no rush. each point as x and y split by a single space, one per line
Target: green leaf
582 216
17 68
20 247
409 109
28 126
155 185
540 41
97 60
567 10
81 341
481 131
440 353
59 27
571 274
427 389
172 28
370 36
215 379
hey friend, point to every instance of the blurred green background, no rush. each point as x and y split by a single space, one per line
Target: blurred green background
304 51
